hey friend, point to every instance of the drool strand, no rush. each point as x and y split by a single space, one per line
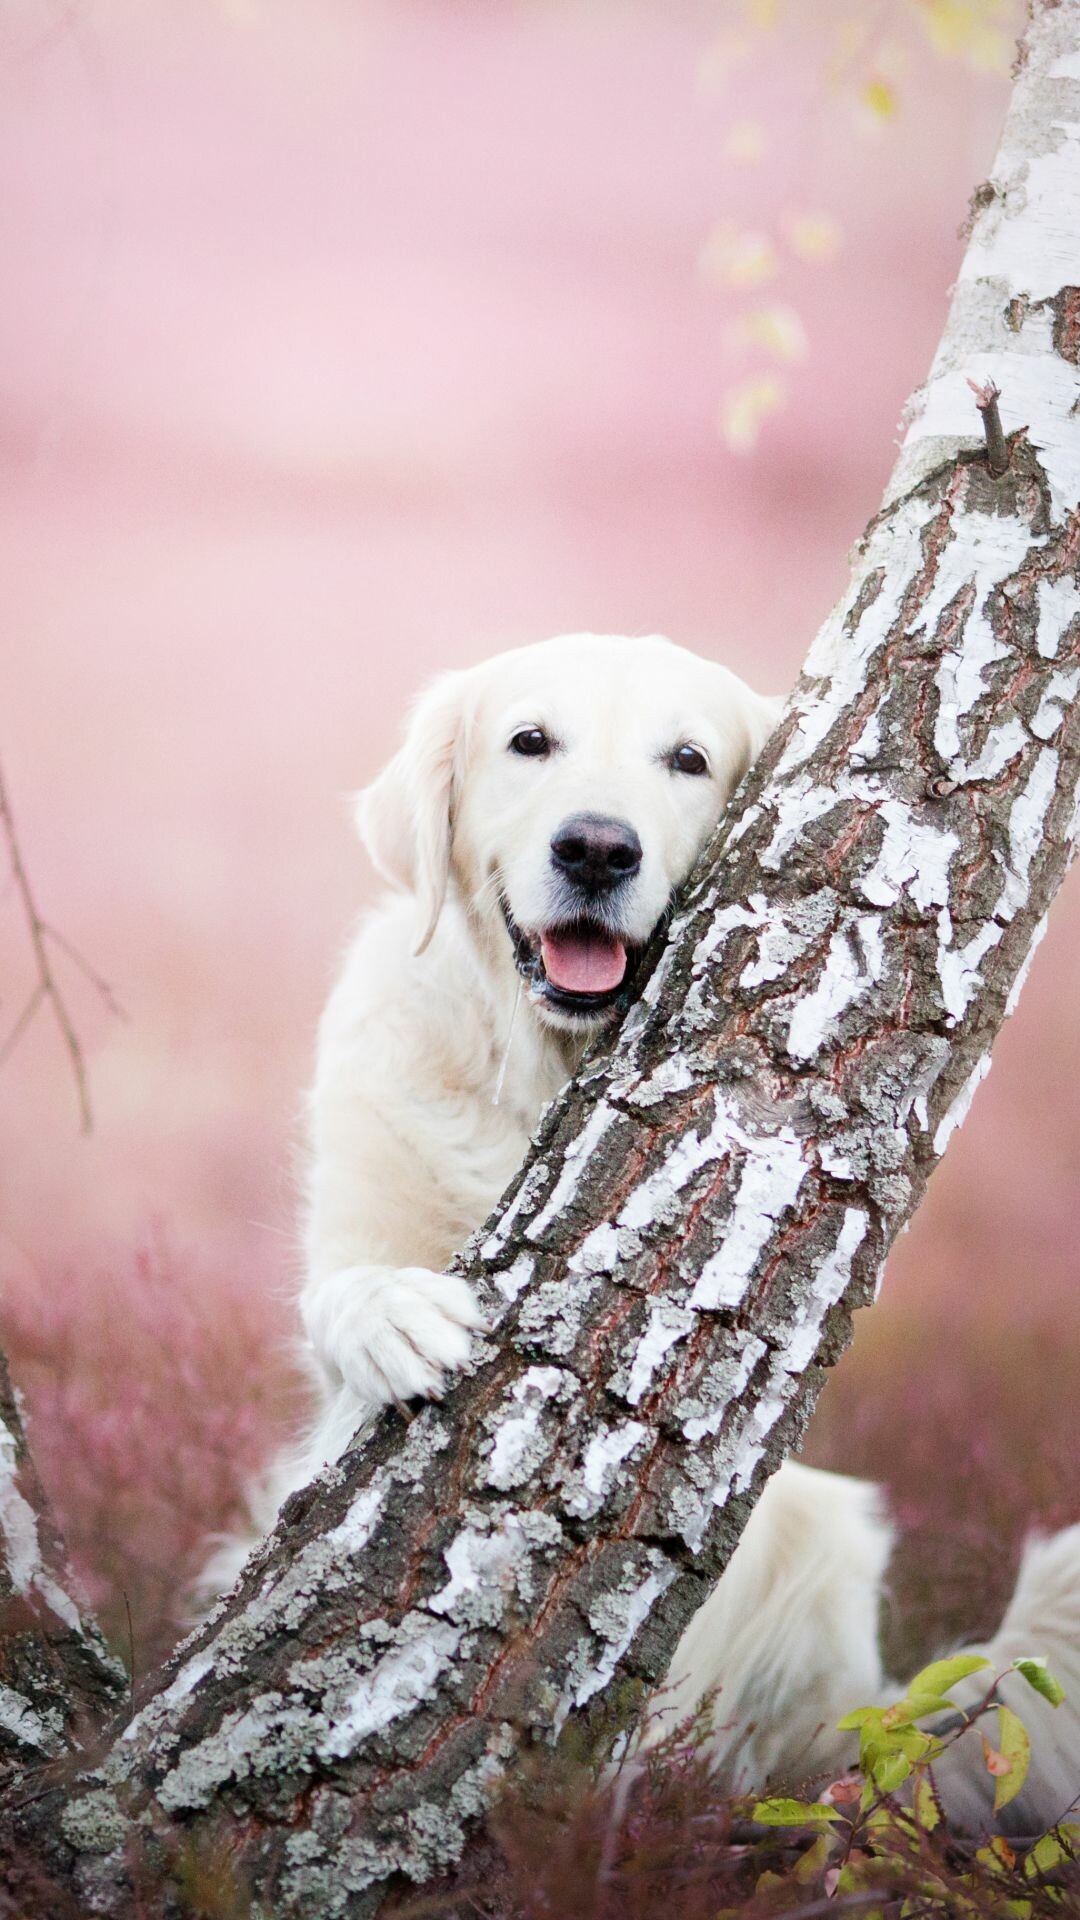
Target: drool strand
497 1095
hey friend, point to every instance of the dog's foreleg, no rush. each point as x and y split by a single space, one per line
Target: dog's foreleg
388 1333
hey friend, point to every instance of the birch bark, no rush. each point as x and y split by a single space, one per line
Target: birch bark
57 1677
678 1261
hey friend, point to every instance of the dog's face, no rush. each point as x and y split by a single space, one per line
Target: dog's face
567 790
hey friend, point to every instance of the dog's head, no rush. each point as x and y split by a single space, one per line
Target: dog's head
565 790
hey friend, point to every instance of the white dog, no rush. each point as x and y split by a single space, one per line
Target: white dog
535 824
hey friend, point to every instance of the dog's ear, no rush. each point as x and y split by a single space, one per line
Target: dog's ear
761 713
405 817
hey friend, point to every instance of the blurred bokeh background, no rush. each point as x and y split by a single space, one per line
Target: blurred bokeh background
346 340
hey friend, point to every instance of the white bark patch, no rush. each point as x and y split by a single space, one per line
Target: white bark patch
772 1173
1059 604
745 1446
654 1197
1020 982
586 1492
604 1249
983 550
788 936
666 1326
800 802
617 1618
519 1444
868 745
830 1283
724 923
958 1112
1027 827
395 1686
575 1163
669 1076
525 1197
853 966
352 1534
22 1555
515 1278
914 859
840 657
958 967
19 1722
1027 236
1039 391
1003 744
1059 696
477 1561
1022 253
161 1706
731 1383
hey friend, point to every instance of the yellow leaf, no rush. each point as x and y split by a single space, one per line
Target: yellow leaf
728 51
778 330
745 142
813 236
736 259
968 30
879 96
745 406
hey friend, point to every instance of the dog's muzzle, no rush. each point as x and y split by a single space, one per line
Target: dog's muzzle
578 966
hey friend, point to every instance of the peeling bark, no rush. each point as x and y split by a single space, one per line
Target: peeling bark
57 1677
678 1261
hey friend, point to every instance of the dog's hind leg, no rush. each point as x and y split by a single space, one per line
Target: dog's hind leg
788 1640
1042 1620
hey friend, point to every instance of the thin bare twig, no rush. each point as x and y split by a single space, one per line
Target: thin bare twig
997 452
47 986
21 1024
85 967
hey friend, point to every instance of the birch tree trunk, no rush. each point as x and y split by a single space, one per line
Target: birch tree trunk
57 1677
678 1261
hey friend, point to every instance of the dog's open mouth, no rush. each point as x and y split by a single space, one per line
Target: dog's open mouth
578 966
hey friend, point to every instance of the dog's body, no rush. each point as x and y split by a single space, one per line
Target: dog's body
536 823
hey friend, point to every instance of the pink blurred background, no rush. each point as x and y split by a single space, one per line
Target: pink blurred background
340 342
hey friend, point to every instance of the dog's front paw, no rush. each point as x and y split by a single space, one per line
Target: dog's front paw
391 1333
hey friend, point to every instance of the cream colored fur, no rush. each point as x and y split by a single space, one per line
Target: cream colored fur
409 1151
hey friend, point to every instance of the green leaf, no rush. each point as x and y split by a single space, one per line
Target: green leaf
1045 1855
793 1813
890 1772
860 1717
914 1706
1015 1747
1056 1848
815 1859
998 1856
941 1675
1038 1675
924 1804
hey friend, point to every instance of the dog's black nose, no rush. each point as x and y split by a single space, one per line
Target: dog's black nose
595 851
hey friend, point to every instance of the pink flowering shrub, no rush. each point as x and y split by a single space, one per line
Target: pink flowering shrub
153 1393
971 1422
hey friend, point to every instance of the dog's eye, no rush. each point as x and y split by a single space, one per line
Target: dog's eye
533 742
688 759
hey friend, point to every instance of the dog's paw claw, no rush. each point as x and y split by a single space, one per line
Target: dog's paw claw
393 1333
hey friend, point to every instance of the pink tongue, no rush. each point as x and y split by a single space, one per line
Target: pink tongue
583 962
